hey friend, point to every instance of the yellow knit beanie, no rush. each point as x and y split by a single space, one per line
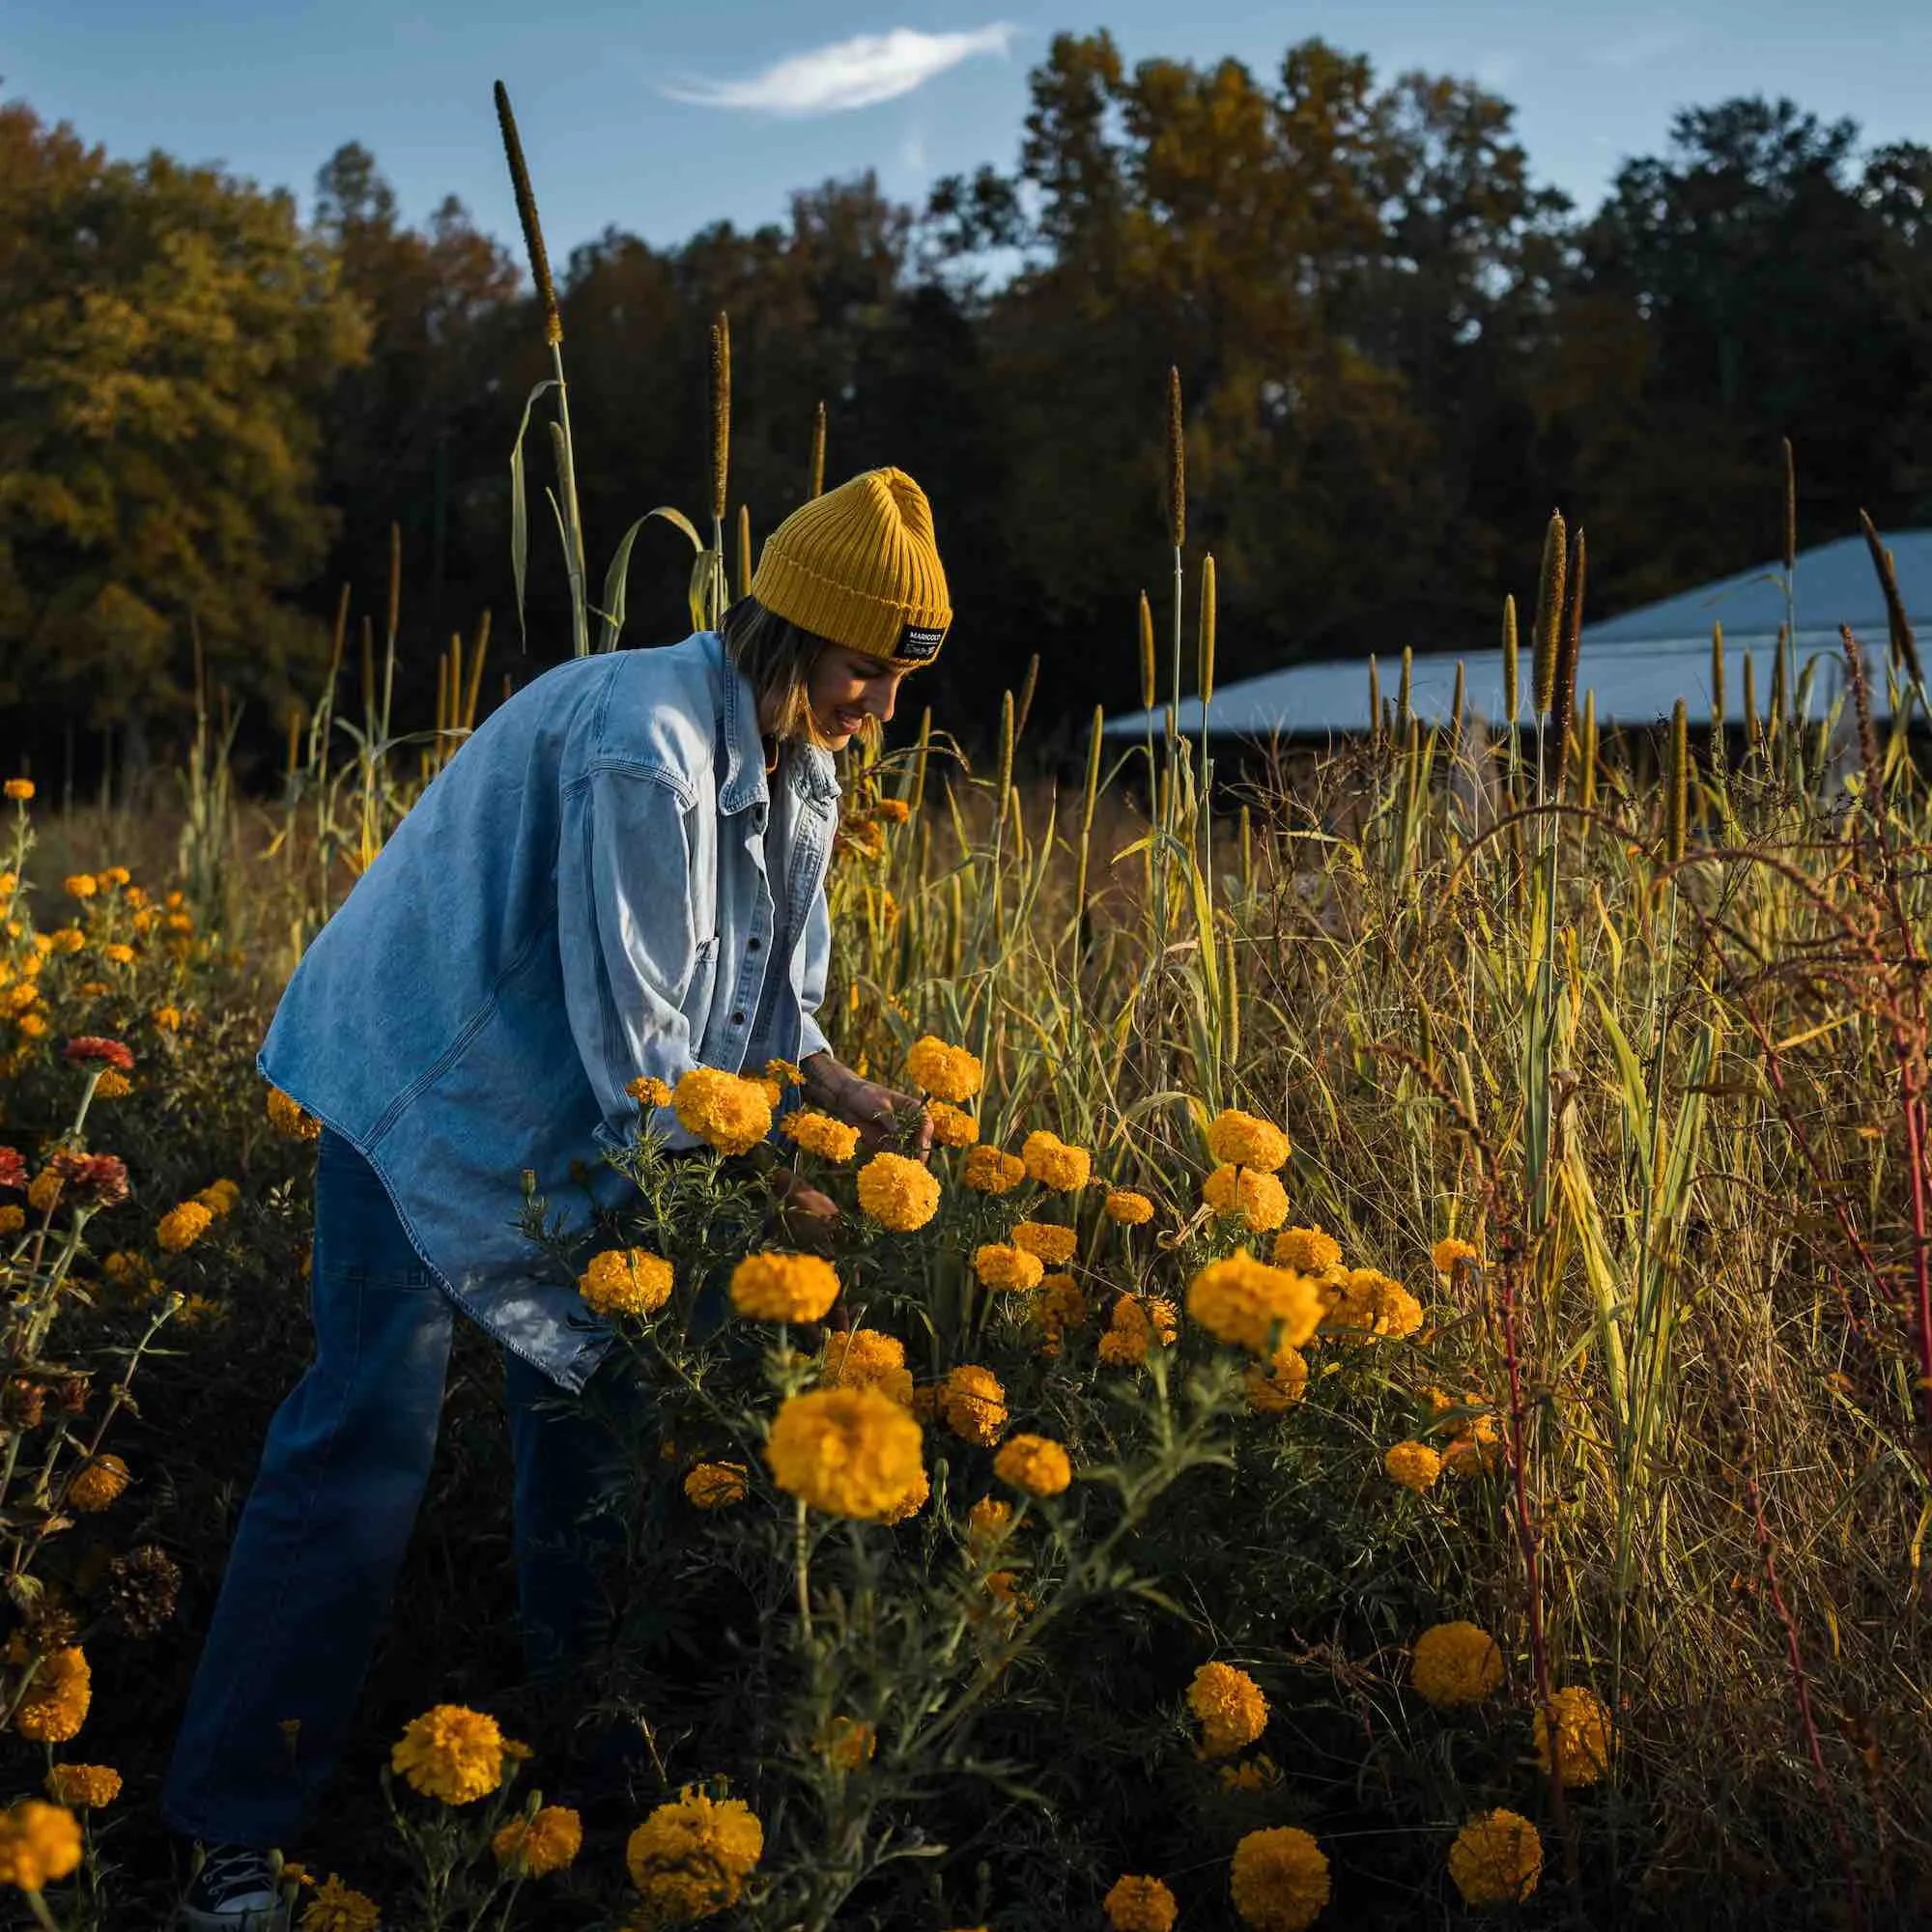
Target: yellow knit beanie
858 565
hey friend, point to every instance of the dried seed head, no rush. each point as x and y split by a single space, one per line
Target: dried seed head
143 1590
1146 653
744 550
817 487
1512 695
1571 641
1549 624
526 213
1207 620
720 412
1677 797
1177 461
1587 757
1904 645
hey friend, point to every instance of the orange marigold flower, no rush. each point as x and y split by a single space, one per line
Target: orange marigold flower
1231 1709
21 790
56 1702
946 1072
820 1134
689 1858
626 1280
990 1171
715 1485
951 1126
898 1192
732 1114
82 884
39 1843
1274 1388
87 1787
1242 1140
850 1452
772 1286
1415 1466
337 1907
988 1525
1584 1736
1365 1305
1256 1306
1455 1663
865 1358
1053 1163
1130 1209
1447 1252
1006 1269
1496 1859
648 1091
974 1404
290 1119
1257 1196
1034 1463
1279 1879
451 1753
1050 1241
534 1847
1140 1905
182 1226
847 1743
100 1482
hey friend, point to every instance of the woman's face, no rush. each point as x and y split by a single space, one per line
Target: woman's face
847 687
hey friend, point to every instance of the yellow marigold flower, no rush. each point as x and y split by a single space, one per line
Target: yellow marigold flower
182 1226
116 875
1584 1736
1006 1268
1415 1466
1051 1242
1050 1162
1129 1334
1140 1905
1446 1253
689 1859
82 884
865 1358
1062 1302
990 1171
1242 1140
219 1197
1367 1306
1258 1773
648 1091
910 1501
535 1847
1279 1879
1231 1709
974 1404
626 1280
290 1119
1455 1663
951 1126
1034 1463
112 1085
21 790
715 1485
340 1908
31 1026
1496 1859
55 1706
101 1481
850 1452
84 1786
1257 1196
1010 1602
847 1743
43 1191
772 1286
946 1072
12 1220
1246 1303
451 1753
728 1113
893 810
988 1525
168 1019
1274 1388
118 954
898 1192
39 1843
820 1134
785 1072
1130 1209
772 1090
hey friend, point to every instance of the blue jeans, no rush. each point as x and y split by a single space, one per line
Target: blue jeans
343 1471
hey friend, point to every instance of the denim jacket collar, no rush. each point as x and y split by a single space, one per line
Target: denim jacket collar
744 781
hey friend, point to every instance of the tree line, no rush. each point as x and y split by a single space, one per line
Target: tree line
1398 352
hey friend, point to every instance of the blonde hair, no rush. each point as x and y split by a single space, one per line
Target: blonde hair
776 659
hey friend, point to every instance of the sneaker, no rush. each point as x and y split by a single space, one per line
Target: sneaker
234 1892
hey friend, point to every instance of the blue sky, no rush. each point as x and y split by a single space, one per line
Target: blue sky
660 118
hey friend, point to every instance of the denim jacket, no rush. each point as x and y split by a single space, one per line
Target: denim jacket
577 898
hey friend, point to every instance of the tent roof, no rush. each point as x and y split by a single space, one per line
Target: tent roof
1640 664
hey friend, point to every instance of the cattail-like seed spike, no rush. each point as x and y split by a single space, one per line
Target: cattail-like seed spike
1904 645
1028 686
1780 696
1589 750
1677 797
1146 653
1007 736
1093 748
1177 461
1717 674
1512 694
744 550
1571 641
720 414
1404 690
1208 622
1548 626
1750 701
1374 701
817 487
526 213
1458 699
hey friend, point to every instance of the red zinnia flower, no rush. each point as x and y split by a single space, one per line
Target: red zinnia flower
102 1176
93 1046
13 1168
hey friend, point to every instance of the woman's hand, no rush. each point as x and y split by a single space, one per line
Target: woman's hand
807 1218
884 1117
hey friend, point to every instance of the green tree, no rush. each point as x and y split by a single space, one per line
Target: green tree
172 333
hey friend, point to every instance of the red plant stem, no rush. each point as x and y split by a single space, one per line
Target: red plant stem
1800 1683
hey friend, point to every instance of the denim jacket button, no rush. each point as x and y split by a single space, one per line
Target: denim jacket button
738 1019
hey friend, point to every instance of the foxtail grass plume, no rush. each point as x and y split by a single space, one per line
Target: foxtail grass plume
526 213
1717 704
1904 645
1404 689
1512 693
1177 461
1570 640
818 484
1780 695
1207 620
744 550
1007 735
1146 654
1459 698
1750 701
720 412
1375 702
1548 625
1677 798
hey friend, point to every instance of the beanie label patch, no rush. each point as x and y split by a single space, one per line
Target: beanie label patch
919 644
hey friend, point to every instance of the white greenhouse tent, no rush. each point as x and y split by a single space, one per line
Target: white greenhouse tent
1639 664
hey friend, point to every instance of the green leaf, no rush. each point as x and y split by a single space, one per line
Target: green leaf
520 522
618 577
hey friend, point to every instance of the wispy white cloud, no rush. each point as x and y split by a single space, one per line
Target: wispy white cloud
859 73
1644 47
